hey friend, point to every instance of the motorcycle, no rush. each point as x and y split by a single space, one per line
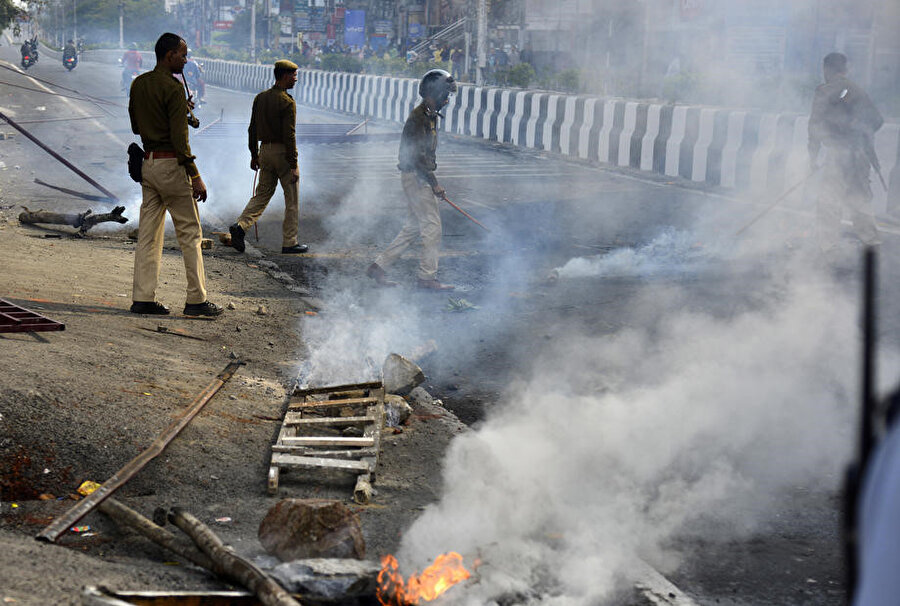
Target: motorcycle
70 62
128 76
28 60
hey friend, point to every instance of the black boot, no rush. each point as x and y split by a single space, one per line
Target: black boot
237 237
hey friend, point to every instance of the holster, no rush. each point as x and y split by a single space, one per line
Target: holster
135 161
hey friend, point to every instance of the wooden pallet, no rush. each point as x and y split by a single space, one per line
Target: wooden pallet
311 433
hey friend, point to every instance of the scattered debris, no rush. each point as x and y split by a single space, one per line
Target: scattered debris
311 528
18 319
420 397
83 221
133 234
224 237
396 410
262 311
454 304
75 514
401 375
329 579
231 305
205 243
172 331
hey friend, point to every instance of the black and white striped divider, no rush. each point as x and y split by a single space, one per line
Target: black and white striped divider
731 148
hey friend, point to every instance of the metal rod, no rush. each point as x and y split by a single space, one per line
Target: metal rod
61 524
68 164
777 201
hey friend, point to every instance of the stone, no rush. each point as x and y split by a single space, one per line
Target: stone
205 243
231 305
401 375
296 529
331 579
396 410
420 397
261 310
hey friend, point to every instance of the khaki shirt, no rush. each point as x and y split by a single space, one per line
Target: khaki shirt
418 144
842 116
158 111
273 120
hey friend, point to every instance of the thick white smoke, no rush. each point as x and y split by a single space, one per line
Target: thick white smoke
616 444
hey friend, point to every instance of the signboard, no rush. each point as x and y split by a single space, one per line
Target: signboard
382 27
355 28
222 26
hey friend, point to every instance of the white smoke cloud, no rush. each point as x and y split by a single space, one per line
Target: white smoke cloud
616 444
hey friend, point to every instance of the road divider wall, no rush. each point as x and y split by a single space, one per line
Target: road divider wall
745 150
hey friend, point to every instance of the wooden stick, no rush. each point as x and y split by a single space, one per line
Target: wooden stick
84 507
125 516
230 564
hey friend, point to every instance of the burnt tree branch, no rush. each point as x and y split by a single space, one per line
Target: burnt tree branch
229 564
83 221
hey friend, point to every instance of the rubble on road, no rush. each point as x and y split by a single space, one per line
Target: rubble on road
311 528
401 375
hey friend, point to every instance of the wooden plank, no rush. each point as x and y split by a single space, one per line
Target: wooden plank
273 480
327 441
285 460
338 388
336 454
331 403
293 418
62 523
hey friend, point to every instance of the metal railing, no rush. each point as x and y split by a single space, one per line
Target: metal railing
452 30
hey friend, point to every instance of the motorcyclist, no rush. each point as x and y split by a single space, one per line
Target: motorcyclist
131 65
70 50
70 53
193 75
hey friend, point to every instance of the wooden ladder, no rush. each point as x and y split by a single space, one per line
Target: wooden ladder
311 435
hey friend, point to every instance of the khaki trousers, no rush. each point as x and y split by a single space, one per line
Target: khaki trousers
423 219
273 167
166 186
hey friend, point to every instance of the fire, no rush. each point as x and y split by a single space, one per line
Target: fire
446 571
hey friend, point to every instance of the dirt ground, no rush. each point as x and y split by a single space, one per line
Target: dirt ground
79 404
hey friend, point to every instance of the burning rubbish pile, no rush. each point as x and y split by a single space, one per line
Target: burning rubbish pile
446 571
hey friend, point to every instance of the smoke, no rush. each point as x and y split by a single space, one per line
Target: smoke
690 425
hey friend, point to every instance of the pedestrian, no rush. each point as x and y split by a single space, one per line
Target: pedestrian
458 59
170 182
418 144
272 125
843 119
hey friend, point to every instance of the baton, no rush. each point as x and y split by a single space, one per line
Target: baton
465 214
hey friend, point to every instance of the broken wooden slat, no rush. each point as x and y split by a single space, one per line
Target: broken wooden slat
327 441
285 459
331 403
295 419
335 454
337 388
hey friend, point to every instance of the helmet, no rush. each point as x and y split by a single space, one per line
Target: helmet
438 85
133 46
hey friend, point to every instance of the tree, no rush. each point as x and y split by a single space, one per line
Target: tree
238 37
145 20
8 12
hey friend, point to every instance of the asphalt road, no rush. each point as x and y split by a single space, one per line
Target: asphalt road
653 253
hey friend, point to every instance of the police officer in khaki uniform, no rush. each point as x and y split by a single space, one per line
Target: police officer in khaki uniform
843 119
158 110
272 124
418 145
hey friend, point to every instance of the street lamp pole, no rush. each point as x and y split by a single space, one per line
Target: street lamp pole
481 43
74 20
121 24
253 30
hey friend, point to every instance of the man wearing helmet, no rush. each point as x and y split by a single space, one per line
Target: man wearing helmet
420 186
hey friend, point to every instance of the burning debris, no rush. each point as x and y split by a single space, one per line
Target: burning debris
446 571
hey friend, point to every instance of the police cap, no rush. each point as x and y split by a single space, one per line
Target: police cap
284 64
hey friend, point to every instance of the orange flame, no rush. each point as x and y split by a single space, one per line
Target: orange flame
446 571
